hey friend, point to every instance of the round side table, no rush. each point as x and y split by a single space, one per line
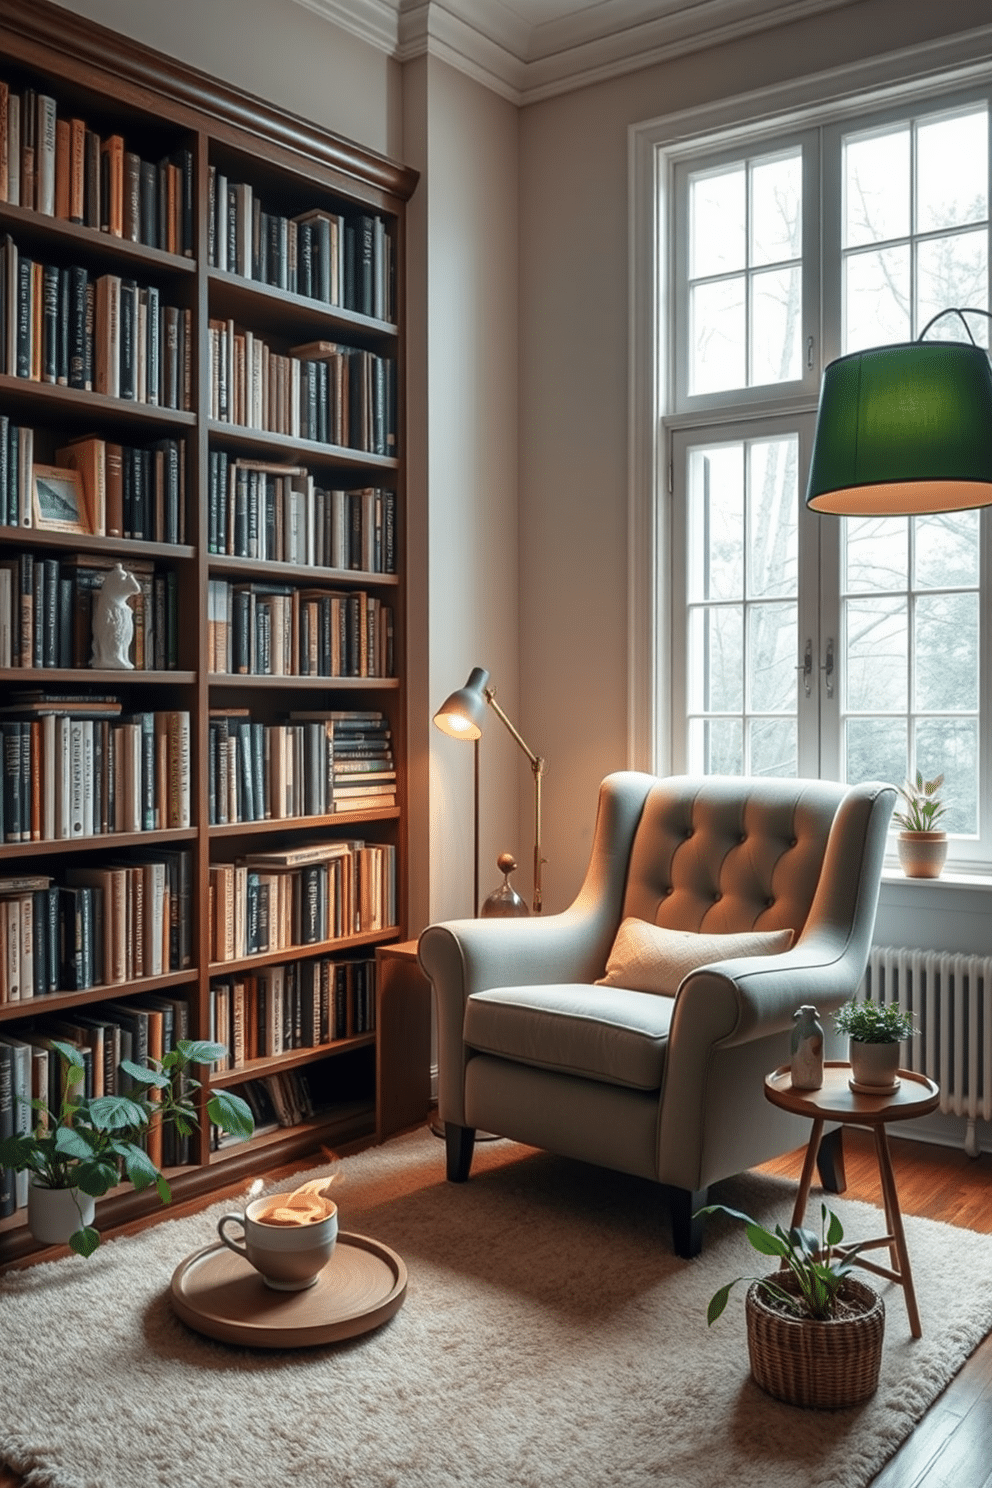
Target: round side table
836 1101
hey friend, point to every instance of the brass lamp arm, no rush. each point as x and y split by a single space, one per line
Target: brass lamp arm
537 765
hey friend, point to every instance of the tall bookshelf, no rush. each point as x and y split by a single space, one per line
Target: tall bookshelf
266 593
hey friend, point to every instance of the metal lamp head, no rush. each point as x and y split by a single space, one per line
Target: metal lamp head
904 429
461 715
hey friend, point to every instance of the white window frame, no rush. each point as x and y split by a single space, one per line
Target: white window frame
658 409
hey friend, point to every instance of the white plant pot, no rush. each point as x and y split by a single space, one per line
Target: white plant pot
874 1066
56 1213
922 854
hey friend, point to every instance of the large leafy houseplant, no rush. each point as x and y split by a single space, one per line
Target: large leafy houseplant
87 1144
816 1268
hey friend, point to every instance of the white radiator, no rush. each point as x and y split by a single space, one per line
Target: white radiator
950 997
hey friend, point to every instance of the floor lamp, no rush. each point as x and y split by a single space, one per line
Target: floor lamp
462 716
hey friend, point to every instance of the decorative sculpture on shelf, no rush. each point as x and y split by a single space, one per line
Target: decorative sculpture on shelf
504 902
807 1049
113 621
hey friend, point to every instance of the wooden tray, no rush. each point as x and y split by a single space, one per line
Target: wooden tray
218 1293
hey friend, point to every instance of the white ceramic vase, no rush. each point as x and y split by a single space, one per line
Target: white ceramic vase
56 1213
874 1066
922 854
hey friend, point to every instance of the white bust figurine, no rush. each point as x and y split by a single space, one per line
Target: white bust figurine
113 621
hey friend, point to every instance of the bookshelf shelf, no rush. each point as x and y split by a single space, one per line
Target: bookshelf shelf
149 745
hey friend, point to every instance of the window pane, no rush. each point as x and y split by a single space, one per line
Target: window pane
717 240
772 649
876 298
876 187
945 550
716 746
773 746
773 517
946 644
875 749
777 209
776 326
716 660
949 747
876 655
875 554
717 336
716 523
952 174
953 271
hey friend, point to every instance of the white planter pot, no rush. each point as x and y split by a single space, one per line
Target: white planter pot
874 1066
56 1213
922 854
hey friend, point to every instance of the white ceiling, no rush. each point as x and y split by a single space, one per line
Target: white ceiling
531 49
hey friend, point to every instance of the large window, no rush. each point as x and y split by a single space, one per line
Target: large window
852 648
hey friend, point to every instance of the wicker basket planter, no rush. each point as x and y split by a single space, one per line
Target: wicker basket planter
805 1361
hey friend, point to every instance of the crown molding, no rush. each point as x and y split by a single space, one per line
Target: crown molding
489 40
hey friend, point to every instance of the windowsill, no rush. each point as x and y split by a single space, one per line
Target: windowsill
949 882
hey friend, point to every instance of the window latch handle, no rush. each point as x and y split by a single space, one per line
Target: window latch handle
827 668
806 667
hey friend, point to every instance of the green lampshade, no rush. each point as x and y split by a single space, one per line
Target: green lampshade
904 429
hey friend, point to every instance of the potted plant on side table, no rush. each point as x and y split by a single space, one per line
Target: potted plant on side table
814 1331
922 845
875 1031
78 1152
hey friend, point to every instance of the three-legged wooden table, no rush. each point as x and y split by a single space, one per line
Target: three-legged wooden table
836 1101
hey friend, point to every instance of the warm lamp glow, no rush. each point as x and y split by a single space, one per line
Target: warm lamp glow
904 429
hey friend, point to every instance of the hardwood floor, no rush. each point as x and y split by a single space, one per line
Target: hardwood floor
952 1446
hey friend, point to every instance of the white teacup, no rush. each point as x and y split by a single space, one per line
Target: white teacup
289 1257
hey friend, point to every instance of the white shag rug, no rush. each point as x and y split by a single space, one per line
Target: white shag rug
548 1338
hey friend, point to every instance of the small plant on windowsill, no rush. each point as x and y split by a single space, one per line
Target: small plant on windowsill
922 845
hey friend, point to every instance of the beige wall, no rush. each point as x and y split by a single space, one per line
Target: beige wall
276 49
574 447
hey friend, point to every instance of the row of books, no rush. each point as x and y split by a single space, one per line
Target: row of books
127 490
54 164
303 896
276 512
301 1005
345 261
313 765
282 1099
278 630
47 606
141 1030
100 927
339 395
79 768
106 335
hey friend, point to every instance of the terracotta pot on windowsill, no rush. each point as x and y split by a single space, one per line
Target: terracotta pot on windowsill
922 854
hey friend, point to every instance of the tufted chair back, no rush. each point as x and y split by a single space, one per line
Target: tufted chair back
720 854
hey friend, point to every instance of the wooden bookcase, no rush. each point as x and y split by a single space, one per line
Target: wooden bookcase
165 112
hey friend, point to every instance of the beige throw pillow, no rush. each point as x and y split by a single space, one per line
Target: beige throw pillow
651 958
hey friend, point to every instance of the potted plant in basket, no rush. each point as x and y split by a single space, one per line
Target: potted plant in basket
814 1331
874 1030
78 1152
921 844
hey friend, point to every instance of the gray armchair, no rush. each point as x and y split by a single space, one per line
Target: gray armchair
667 1087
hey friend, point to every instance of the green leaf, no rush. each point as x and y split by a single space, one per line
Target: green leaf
232 1113
200 1051
835 1230
164 1191
764 1242
69 1053
94 1178
718 1302
139 1167
84 1242
15 1152
142 1075
116 1112
72 1143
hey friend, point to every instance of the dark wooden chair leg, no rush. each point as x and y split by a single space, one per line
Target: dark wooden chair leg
830 1161
459 1142
687 1226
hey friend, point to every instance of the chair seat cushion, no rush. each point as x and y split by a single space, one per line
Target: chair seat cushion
600 1033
